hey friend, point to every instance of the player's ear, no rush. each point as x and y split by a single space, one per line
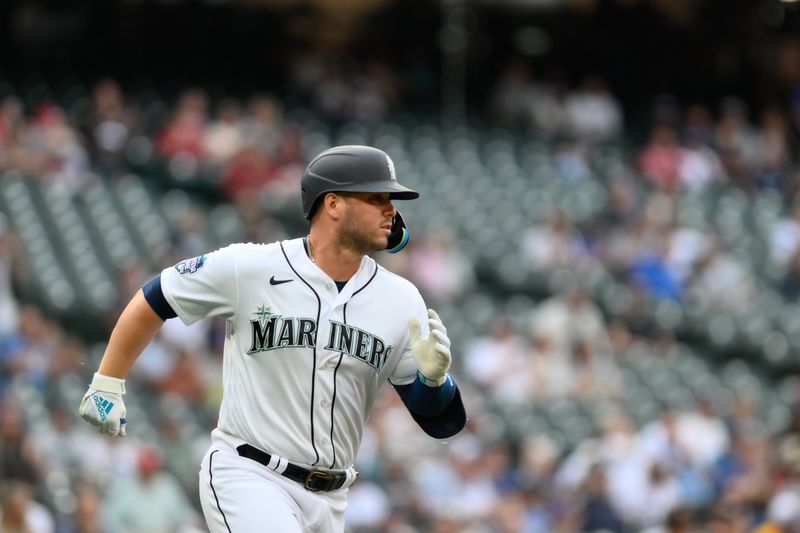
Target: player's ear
333 203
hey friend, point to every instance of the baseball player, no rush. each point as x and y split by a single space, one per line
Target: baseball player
314 328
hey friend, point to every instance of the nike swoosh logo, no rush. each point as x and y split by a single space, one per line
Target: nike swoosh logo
273 281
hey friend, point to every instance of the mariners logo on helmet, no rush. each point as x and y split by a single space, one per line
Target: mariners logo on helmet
389 162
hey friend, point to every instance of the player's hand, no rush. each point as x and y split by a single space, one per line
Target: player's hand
432 353
102 405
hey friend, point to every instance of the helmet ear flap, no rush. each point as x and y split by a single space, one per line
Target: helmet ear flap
399 237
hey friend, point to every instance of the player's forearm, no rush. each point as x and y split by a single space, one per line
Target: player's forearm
135 328
425 400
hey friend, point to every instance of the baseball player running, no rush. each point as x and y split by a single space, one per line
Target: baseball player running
314 328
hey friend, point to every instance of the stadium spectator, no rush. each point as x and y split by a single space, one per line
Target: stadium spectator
12 119
570 319
247 173
368 507
660 160
594 374
736 142
652 272
57 444
598 513
14 271
783 509
185 132
685 245
513 96
184 379
87 510
785 239
18 458
67 162
774 150
20 513
442 271
722 282
113 124
550 373
571 160
680 520
223 136
594 114
699 166
552 244
262 123
698 125
790 284
151 501
499 362
30 351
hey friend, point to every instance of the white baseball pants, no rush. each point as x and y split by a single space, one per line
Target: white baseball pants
239 495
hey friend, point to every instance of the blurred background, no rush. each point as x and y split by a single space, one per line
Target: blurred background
609 226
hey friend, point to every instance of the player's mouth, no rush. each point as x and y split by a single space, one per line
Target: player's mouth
387 226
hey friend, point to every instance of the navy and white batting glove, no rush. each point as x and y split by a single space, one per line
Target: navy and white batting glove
102 405
432 353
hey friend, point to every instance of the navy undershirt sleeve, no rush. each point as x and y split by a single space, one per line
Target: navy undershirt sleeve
155 297
429 401
439 411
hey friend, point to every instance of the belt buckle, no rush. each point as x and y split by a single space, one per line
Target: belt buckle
325 478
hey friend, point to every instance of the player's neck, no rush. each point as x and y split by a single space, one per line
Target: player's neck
338 262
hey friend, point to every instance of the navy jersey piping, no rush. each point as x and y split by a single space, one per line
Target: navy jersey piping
333 399
333 405
314 350
367 283
211 482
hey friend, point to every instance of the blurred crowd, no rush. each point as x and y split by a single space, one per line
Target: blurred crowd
698 468
702 209
683 471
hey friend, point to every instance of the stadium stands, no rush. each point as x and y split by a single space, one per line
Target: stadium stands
533 220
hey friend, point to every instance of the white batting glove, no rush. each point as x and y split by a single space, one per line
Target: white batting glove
102 405
432 353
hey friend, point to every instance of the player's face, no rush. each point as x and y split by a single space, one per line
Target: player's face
367 221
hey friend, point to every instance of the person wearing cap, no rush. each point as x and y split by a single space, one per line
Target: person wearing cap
314 328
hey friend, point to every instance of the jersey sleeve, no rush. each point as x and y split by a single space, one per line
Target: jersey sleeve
203 286
406 370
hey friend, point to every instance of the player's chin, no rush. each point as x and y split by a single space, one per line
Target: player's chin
381 241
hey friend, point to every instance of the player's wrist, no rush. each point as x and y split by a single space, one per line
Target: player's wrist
430 381
104 383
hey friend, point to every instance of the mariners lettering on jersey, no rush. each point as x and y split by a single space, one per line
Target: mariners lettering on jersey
359 344
271 331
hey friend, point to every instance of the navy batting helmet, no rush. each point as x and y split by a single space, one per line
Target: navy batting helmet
355 169
350 169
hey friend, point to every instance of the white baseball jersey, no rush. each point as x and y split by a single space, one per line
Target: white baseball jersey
303 362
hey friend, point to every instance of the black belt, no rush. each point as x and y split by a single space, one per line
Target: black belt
313 480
